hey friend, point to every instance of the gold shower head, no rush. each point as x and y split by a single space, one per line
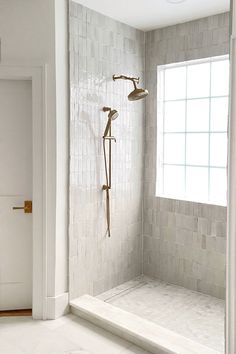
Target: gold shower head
137 93
112 115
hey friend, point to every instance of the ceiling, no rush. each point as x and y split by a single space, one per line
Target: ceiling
150 14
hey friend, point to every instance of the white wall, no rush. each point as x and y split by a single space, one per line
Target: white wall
28 32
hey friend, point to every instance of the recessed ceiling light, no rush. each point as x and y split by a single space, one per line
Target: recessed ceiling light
175 1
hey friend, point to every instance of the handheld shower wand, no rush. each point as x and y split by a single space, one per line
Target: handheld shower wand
112 115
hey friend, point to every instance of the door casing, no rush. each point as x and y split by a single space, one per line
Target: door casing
37 75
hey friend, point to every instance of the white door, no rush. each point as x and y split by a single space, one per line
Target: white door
15 188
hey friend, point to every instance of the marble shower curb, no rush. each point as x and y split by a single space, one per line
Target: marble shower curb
141 332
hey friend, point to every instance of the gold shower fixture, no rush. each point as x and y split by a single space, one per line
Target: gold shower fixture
137 93
112 115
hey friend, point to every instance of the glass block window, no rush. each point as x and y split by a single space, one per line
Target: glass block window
192 118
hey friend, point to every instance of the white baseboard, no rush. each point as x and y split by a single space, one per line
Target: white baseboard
57 306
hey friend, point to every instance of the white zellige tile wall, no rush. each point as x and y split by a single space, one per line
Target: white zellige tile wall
184 242
99 48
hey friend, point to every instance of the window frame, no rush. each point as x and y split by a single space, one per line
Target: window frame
161 132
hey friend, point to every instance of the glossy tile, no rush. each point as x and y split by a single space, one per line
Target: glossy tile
184 242
99 48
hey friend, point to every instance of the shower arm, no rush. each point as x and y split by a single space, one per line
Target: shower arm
123 77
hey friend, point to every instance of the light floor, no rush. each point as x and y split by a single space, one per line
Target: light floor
67 335
193 315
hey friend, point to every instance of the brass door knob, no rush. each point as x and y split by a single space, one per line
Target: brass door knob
27 207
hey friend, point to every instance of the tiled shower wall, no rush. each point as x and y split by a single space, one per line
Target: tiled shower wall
99 48
184 242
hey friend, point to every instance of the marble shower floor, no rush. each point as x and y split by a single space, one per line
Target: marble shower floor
194 315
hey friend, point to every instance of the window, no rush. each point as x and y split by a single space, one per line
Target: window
192 122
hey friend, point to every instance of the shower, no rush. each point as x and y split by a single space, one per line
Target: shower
112 115
137 93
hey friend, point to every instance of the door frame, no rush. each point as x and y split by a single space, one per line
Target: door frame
37 75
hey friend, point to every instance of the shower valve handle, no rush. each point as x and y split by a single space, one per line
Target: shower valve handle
105 187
